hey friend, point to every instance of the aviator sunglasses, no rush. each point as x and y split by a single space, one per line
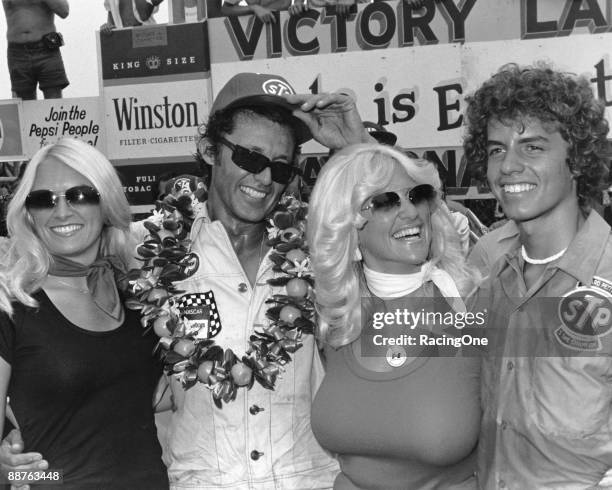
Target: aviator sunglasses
387 201
75 196
255 162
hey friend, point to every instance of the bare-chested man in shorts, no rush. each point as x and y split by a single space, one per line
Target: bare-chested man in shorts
33 47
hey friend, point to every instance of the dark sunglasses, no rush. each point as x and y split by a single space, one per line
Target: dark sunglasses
75 196
255 162
390 200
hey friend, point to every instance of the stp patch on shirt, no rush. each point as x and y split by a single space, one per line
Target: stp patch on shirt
586 316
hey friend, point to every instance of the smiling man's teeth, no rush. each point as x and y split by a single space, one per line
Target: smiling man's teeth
252 192
514 188
66 228
413 231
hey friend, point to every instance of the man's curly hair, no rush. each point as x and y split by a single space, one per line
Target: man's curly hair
560 101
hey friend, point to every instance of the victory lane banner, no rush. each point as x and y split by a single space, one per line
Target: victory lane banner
392 24
46 121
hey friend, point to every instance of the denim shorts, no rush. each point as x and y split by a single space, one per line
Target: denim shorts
32 63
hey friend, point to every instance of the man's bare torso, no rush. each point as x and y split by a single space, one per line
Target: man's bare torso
27 20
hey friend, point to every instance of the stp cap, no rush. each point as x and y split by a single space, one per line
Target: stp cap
253 89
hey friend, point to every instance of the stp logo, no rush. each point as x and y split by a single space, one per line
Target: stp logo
277 87
190 264
585 311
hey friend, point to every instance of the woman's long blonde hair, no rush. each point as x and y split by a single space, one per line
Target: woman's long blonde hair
25 265
346 181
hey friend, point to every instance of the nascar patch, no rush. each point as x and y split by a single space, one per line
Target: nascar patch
200 315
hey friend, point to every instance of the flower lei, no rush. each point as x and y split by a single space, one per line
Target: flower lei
186 352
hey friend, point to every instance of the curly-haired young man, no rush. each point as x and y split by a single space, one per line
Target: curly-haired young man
546 386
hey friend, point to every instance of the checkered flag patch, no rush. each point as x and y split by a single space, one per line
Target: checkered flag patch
201 307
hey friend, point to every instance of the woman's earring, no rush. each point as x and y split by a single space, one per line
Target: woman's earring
357 257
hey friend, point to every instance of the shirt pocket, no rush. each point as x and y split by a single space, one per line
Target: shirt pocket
572 396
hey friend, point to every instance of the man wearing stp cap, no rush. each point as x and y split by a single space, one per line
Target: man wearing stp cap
261 440
547 379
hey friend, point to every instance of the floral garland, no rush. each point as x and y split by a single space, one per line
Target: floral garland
186 351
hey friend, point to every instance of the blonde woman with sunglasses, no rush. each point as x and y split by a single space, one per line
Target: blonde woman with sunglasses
78 370
399 414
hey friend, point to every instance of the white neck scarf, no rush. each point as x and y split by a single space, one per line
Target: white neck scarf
386 285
